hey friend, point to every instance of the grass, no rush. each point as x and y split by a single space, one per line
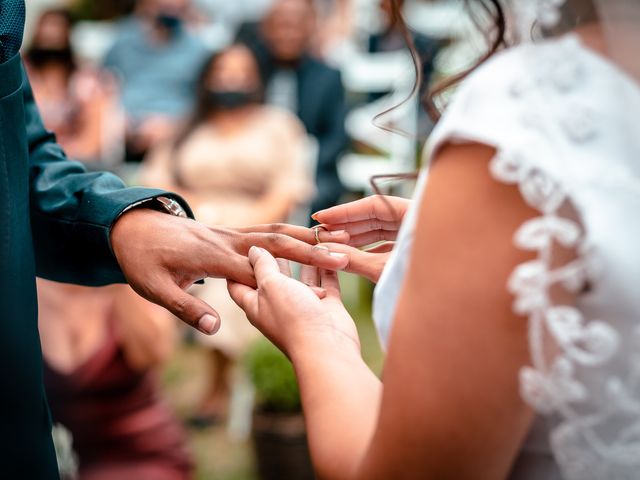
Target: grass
217 455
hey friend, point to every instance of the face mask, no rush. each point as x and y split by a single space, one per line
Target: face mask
169 21
231 99
43 56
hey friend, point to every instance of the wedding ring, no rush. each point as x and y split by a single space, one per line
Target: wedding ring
316 233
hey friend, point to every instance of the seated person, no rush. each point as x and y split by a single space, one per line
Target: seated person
156 58
304 85
75 102
102 348
238 162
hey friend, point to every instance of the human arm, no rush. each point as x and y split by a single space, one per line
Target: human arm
84 231
455 349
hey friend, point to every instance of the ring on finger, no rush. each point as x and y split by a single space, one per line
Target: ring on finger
316 232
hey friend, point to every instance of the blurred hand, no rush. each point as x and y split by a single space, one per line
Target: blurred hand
373 219
162 255
287 312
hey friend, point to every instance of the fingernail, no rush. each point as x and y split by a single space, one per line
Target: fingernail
255 250
207 324
338 254
314 215
337 233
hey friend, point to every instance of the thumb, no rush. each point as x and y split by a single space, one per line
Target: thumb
189 309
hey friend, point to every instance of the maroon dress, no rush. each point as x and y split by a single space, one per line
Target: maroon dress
121 429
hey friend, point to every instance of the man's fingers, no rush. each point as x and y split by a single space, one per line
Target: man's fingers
245 297
188 308
386 208
283 246
303 234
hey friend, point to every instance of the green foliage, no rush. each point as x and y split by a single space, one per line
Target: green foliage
273 377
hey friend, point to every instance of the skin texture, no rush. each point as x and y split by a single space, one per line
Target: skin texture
162 255
450 406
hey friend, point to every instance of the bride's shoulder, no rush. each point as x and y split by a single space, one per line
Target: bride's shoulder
533 91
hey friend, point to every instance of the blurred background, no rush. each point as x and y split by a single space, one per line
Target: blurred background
256 111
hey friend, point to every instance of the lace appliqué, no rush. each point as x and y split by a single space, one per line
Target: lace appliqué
552 384
574 375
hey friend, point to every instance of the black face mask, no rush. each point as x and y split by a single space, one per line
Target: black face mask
169 21
39 56
231 99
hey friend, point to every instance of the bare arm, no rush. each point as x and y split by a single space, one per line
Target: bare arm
450 407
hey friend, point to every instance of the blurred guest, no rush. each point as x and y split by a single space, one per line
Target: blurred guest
101 348
238 163
391 39
76 103
156 59
302 84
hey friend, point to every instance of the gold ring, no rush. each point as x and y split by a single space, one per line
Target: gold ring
316 229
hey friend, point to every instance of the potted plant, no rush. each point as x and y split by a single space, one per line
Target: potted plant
278 430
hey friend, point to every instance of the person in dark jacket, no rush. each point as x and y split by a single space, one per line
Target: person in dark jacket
303 84
64 224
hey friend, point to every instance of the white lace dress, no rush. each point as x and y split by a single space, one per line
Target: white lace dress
565 123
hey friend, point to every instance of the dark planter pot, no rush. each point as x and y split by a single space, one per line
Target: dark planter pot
280 443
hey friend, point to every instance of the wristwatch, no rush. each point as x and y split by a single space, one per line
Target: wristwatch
172 206
163 204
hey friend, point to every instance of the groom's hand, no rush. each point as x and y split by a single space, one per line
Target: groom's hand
162 255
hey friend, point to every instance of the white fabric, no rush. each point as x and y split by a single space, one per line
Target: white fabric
564 123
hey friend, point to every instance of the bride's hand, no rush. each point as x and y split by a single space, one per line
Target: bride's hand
367 263
369 220
290 313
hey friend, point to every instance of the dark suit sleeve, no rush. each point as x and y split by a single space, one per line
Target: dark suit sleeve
72 211
332 141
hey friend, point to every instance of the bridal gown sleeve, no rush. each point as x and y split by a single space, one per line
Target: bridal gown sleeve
559 117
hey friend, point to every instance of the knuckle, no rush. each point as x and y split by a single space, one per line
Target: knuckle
179 306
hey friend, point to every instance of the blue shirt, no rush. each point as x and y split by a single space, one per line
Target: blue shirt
157 78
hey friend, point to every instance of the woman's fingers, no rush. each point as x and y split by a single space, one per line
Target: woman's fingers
364 226
329 281
284 266
385 247
245 297
363 263
382 207
372 237
264 265
309 275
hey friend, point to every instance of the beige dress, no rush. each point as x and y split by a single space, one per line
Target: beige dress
225 177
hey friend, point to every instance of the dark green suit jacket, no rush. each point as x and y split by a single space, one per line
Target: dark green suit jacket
55 223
